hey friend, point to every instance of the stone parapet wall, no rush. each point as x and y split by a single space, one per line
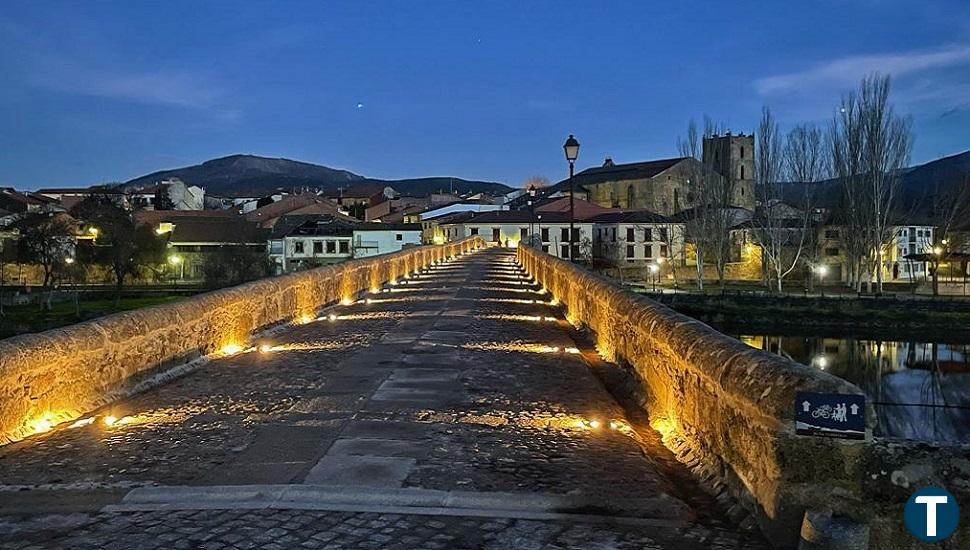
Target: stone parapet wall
894 470
60 374
725 408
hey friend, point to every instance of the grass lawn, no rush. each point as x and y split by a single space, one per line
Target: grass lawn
29 318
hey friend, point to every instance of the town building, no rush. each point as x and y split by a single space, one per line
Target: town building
549 230
664 185
309 204
304 241
636 238
194 241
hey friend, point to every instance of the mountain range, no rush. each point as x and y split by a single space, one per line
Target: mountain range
251 175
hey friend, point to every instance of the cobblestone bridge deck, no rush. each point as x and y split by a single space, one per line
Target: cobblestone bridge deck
453 410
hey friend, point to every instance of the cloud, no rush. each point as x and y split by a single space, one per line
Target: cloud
178 89
847 71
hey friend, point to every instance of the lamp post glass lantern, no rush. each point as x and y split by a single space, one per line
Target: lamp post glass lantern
571 148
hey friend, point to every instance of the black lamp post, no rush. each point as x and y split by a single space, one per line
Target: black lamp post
571 148
532 212
539 229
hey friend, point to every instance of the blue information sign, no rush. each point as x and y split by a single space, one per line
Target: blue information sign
830 415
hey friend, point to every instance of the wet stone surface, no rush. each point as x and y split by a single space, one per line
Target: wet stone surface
463 378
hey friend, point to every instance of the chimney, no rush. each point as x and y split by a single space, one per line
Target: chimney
608 162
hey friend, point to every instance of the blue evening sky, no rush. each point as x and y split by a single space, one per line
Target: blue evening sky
100 91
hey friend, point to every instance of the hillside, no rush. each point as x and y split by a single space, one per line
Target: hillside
922 187
250 175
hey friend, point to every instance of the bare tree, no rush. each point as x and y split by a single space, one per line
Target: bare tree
949 211
870 144
696 228
806 164
126 248
538 181
48 240
782 228
709 223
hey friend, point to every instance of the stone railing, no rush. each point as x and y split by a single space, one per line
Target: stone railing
726 409
60 374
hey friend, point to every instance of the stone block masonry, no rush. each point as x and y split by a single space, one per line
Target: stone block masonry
725 408
60 374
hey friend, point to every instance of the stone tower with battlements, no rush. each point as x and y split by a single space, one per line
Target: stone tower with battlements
732 156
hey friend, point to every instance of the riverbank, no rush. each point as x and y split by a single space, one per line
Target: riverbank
885 317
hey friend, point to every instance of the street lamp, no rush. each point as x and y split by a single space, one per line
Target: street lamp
654 270
539 231
176 261
532 211
821 270
571 148
77 306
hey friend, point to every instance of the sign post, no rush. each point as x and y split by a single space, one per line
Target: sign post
830 415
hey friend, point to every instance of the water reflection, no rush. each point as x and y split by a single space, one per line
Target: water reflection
920 390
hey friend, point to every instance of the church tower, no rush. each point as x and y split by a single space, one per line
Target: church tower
732 156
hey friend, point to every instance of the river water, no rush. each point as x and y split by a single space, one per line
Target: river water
920 390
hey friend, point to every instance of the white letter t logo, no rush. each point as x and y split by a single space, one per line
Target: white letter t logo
930 502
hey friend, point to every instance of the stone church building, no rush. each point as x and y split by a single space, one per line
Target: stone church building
663 186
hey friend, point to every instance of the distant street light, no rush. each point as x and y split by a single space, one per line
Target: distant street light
655 272
176 261
571 148
77 306
821 270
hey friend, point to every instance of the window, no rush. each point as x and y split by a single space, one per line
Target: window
629 235
831 233
742 154
663 233
474 231
576 251
742 171
648 251
344 247
298 247
545 236
563 251
523 233
647 235
318 247
545 248
496 234
564 234
629 251
831 251
399 237
663 251
575 234
629 197
613 230
331 247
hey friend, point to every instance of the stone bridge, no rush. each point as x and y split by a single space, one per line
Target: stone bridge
441 397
